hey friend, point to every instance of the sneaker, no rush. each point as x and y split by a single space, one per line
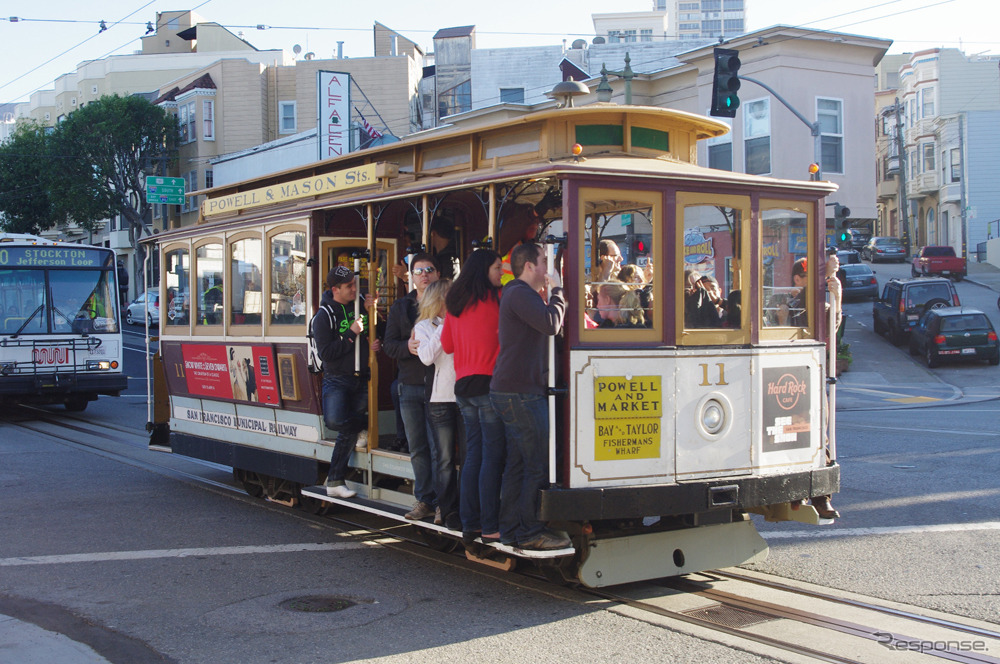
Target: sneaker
453 522
547 542
438 520
340 491
362 439
421 510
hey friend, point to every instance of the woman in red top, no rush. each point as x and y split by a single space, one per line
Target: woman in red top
471 333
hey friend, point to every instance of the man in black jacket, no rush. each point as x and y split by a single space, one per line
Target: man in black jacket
345 391
414 381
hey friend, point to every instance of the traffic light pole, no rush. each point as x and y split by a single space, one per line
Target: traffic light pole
813 126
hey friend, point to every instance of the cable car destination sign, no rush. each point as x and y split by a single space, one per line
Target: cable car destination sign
316 185
627 414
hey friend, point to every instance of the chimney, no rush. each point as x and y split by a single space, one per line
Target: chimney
340 50
392 44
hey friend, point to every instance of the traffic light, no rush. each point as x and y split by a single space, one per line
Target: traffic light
840 215
725 83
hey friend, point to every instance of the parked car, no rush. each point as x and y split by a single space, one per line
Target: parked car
882 248
848 257
955 333
939 261
859 239
858 280
148 301
904 301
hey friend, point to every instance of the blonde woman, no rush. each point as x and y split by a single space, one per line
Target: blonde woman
630 312
442 411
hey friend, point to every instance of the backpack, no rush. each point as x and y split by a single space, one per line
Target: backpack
315 361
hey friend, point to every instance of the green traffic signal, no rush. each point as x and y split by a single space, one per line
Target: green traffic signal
725 83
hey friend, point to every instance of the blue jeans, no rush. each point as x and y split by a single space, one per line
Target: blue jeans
413 408
443 418
345 402
483 467
526 423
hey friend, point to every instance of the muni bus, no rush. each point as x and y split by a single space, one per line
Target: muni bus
665 435
60 333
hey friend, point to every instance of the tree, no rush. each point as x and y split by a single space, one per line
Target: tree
24 192
113 141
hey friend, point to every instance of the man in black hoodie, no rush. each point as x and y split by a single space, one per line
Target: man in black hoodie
345 391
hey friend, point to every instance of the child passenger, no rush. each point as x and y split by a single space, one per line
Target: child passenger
442 411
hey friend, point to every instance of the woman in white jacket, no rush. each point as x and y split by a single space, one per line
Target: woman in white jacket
442 411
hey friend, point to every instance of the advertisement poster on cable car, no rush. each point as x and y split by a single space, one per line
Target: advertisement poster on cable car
786 408
239 373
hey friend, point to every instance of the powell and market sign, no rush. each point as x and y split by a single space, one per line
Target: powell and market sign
327 183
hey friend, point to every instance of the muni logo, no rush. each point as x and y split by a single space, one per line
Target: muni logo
50 356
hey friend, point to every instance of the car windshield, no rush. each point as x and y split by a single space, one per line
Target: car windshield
856 270
888 242
964 323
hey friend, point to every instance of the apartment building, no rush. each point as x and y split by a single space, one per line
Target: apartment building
950 111
703 19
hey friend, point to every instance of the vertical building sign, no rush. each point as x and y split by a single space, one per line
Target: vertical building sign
334 113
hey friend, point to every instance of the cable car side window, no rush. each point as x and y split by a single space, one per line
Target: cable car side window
621 232
288 278
784 268
245 282
176 275
209 261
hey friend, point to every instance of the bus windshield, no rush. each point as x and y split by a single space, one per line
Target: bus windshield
76 301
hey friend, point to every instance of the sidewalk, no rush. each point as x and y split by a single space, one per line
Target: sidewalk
984 274
25 643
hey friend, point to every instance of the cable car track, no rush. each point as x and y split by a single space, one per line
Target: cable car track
712 586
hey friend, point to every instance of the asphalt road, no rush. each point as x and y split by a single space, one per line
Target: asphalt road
149 566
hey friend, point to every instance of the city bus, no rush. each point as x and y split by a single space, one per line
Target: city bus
60 329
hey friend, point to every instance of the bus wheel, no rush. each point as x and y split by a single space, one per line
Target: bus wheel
77 403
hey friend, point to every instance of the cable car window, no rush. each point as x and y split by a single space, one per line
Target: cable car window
209 266
619 254
712 292
245 282
784 269
288 278
177 270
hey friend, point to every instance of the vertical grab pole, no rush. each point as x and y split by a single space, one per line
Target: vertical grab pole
357 314
832 379
550 261
149 368
373 286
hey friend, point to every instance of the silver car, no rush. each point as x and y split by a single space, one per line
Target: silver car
149 301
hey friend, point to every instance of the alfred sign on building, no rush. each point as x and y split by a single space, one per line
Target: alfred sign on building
333 113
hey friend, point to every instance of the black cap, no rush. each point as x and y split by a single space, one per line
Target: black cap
339 275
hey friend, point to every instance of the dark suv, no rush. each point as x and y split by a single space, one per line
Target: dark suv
904 301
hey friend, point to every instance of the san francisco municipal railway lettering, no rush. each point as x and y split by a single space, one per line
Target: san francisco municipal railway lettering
252 424
627 412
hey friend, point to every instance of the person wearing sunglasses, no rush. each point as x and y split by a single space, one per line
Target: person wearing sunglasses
414 380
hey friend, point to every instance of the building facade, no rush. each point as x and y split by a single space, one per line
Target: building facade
704 19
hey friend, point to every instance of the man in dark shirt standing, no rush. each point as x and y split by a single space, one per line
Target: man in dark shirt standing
345 391
517 392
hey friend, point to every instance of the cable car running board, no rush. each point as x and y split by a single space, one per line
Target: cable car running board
363 504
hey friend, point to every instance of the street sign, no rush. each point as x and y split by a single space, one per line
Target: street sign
163 190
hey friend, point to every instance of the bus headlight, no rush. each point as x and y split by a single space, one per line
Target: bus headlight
98 365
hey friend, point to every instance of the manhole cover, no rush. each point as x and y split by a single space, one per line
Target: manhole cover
729 616
318 604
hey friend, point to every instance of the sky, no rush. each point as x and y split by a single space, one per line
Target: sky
51 38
